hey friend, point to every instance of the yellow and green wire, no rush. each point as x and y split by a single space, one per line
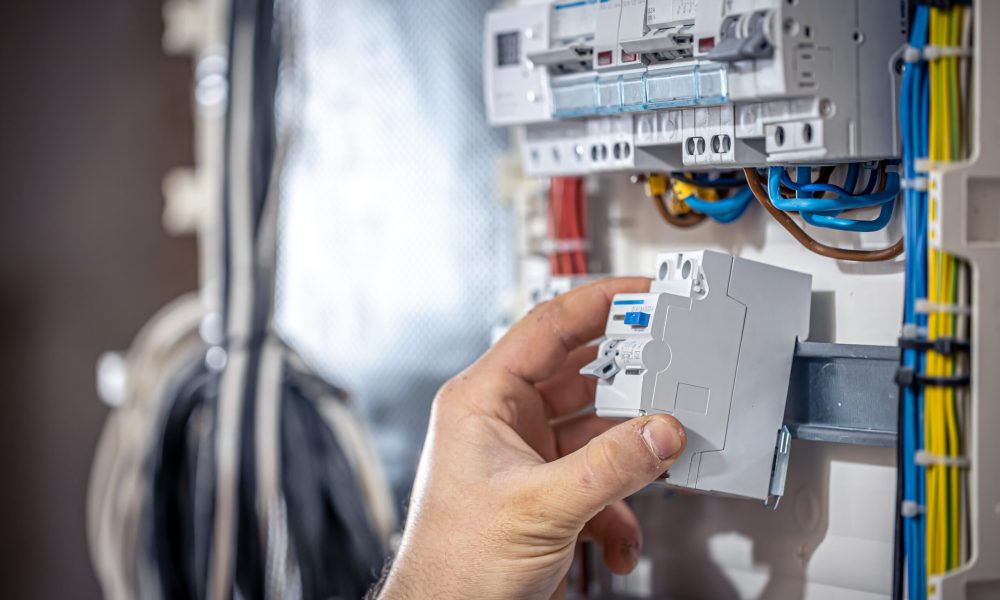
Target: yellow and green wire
942 431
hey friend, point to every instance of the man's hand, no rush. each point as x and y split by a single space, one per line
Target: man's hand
501 495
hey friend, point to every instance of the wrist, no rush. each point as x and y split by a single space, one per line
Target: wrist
408 578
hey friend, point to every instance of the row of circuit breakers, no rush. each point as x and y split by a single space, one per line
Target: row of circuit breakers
670 85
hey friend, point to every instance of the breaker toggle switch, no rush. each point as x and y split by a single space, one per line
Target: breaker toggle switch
744 37
637 319
605 366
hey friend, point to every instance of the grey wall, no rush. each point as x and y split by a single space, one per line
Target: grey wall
91 115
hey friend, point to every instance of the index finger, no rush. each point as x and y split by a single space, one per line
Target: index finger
539 343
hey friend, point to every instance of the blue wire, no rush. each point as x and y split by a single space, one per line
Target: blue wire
726 210
872 181
923 140
914 128
910 526
843 192
856 225
845 202
890 192
825 212
851 182
886 197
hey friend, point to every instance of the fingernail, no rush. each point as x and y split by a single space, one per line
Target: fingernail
631 554
662 438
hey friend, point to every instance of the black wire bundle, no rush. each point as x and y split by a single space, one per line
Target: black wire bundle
339 554
334 549
180 533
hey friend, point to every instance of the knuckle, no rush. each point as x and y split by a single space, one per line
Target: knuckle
448 392
552 314
456 382
602 465
449 397
455 388
548 313
536 514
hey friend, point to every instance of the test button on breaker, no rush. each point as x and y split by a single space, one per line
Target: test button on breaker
637 318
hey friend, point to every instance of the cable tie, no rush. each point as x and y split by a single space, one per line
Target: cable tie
934 52
907 377
915 183
942 345
943 4
925 458
566 245
912 330
910 509
949 381
923 306
924 164
904 376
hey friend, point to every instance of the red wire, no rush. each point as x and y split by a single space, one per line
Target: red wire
567 222
553 260
574 230
580 210
555 223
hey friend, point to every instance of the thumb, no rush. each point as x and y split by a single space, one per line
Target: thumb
613 465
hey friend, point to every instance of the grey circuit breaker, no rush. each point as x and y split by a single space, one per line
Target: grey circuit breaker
712 344
670 85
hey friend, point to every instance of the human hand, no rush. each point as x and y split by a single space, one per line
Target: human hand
501 495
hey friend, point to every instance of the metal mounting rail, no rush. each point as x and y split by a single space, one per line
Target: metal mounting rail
843 393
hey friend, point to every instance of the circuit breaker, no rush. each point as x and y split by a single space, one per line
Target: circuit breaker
668 85
711 343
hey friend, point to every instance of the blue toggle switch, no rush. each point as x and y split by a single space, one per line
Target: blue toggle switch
637 319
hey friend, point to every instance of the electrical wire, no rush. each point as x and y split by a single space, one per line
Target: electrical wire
785 220
708 200
578 223
913 125
850 183
558 259
687 200
725 210
941 427
909 434
682 220
567 225
933 109
827 212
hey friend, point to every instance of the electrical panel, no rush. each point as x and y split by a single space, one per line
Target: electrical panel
851 140
712 343
671 85
835 164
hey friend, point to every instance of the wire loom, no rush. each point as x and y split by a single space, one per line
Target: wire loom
687 200
231 470
785 220
931 534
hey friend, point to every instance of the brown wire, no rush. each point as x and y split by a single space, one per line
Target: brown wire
753 180
683 221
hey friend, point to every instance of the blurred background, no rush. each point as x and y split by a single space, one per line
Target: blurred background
393 234
94 114
112 110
